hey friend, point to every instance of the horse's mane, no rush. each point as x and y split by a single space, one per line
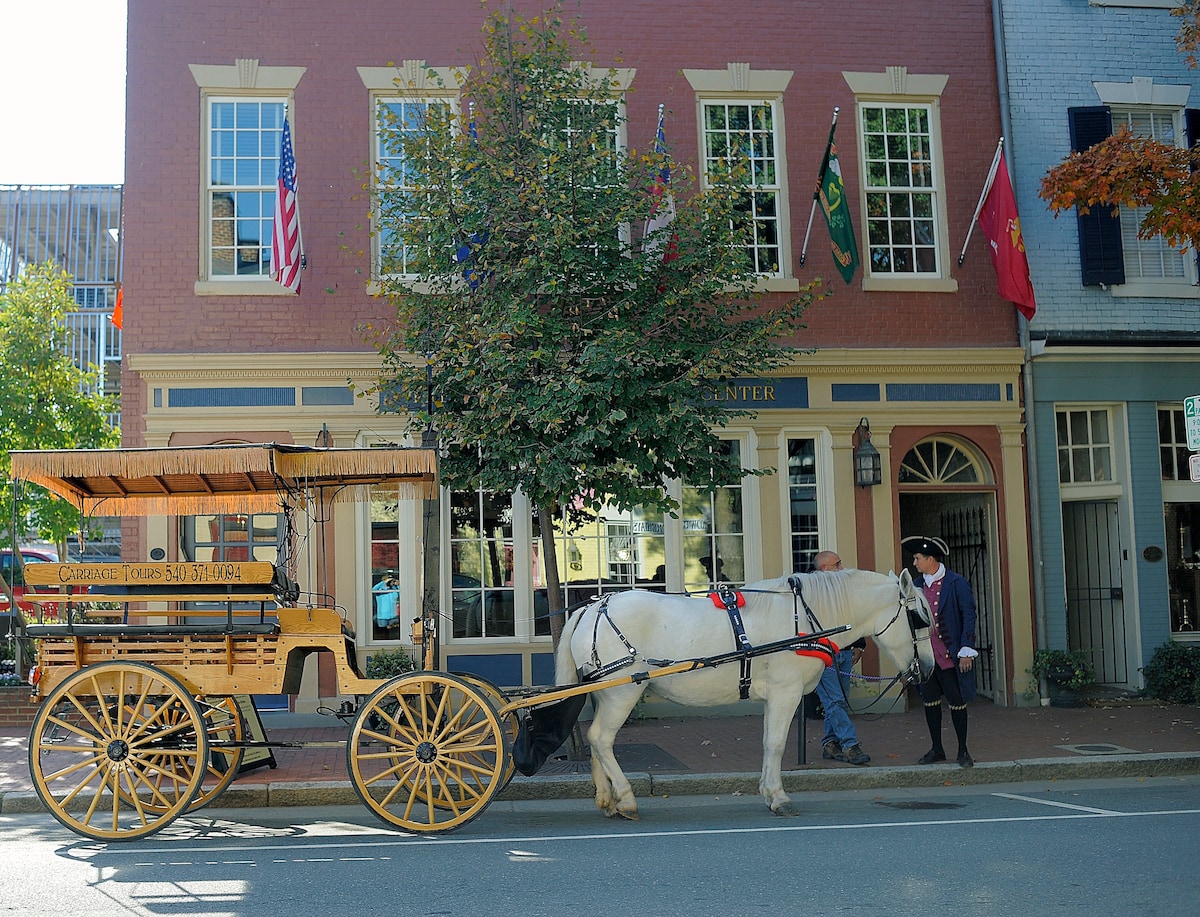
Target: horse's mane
827 592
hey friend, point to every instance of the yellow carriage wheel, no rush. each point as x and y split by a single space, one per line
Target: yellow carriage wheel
118 751
428 752
223 724
509 721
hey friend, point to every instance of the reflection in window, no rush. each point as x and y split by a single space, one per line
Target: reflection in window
232 537
1084 446
243 166
611 551
481 564
385 564
802 501
1183 564
713 533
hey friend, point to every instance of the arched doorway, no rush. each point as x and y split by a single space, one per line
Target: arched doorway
947 488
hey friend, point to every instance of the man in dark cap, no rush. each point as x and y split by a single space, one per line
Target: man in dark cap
952 634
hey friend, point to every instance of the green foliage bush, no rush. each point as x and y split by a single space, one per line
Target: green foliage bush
1173 673
1069 668
389 664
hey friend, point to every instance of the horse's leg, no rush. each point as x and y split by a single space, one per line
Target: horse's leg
614 795
778 713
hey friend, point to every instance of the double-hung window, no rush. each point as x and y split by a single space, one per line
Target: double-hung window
903 180
241 112
243 168
397 121
740 113
745 133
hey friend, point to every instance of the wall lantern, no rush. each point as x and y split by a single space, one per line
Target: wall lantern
868 467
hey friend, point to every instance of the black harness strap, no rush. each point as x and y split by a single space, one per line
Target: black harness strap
600 670
729 599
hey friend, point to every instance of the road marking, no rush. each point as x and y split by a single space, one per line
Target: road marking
85 853
1061 805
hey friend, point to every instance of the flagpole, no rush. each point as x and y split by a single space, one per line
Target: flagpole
817 190
657 129
987 186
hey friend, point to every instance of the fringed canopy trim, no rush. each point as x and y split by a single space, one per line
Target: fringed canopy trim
258 477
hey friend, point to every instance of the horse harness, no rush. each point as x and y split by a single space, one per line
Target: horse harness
731 601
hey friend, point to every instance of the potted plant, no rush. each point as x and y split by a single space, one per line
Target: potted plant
1067 674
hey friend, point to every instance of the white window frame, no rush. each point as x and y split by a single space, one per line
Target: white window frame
739 84
409 81
826 511
243 80
896 87
1118 459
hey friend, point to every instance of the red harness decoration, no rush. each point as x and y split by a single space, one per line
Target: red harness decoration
716 599
826 654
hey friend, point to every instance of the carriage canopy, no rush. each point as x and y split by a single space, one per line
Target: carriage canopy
243 477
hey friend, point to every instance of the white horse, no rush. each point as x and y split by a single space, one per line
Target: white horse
647 627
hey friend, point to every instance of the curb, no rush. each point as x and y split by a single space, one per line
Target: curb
822 780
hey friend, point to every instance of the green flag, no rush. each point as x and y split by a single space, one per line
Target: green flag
832 193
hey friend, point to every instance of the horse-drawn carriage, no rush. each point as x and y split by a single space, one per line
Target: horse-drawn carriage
138 677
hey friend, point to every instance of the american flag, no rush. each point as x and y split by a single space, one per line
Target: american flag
285 236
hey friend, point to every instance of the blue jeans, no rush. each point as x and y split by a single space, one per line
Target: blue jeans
832 689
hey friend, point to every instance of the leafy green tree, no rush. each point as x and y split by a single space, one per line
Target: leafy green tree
1126 170
46 401
558 340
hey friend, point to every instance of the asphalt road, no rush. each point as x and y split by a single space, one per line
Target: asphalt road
1086 847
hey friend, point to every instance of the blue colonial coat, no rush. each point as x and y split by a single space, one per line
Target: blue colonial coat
956 613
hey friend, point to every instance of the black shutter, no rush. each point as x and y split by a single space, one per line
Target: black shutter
1101 257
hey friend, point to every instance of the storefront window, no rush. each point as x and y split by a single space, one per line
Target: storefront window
481 564
714 533
386 619
802 501
611 551
1181 514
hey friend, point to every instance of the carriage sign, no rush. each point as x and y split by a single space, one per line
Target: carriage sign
1191 420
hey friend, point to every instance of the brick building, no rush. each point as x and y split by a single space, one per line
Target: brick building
920 348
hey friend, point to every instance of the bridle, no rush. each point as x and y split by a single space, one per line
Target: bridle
910 605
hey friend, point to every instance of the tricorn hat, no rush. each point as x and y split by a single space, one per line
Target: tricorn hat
927 545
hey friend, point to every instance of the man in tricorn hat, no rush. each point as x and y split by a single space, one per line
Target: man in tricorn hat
952 634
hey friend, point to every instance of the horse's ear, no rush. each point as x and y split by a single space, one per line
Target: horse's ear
906 583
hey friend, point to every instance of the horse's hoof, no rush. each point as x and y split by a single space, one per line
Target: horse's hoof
786 810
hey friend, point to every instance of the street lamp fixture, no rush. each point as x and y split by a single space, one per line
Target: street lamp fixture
868 466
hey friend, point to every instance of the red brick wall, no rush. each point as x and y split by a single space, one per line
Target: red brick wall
16 709
331 124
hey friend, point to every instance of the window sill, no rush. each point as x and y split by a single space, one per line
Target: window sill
264 287
907 285
1151 289
777 285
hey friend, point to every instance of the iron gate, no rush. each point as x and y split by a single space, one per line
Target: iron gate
1094 587
965 531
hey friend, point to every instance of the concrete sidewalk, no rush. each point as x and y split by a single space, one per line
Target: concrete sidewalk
723 754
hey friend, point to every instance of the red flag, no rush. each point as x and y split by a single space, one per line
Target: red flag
999 221
118 315
286 259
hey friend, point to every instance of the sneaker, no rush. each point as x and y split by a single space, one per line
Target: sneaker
964 759
854 755
932 757
831 751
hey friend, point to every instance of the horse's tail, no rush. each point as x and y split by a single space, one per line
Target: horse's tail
565 670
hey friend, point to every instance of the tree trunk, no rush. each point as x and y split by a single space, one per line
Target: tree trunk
576 750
